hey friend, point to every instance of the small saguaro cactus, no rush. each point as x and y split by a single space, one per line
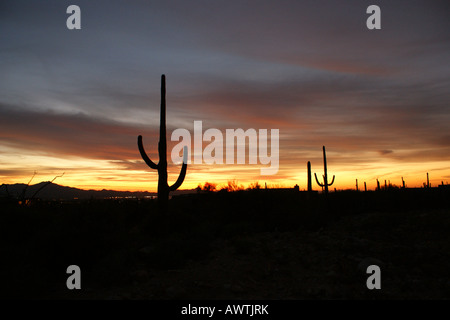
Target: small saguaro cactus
325 183
309 177
163 187
357 189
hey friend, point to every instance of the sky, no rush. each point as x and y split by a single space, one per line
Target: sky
74 101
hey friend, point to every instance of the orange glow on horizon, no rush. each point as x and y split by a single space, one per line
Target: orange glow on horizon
134 175
97 175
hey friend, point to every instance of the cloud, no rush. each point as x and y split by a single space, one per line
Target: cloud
69 135
384 152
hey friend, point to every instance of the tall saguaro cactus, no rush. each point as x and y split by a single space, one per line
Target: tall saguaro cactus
163 187
325 175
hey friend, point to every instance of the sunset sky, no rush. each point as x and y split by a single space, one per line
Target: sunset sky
74 101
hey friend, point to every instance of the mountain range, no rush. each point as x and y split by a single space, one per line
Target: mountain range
52 191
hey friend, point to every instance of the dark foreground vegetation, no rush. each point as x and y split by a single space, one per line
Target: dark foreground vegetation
257 244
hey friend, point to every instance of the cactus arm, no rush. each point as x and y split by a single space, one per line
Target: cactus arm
182 175
180 179
332 181
317 180
144 156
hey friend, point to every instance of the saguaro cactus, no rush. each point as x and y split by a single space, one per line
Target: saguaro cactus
163 187
325 183
309 177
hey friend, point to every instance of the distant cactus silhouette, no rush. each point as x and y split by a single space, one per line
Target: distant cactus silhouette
378 185
403 184
309 177
325 183
24 191
163 187
365 186
43 186
357 189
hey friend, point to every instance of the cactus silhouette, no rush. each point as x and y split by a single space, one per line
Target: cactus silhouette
325 183
163 187
309 177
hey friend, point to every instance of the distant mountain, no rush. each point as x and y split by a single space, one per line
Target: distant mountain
49 191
